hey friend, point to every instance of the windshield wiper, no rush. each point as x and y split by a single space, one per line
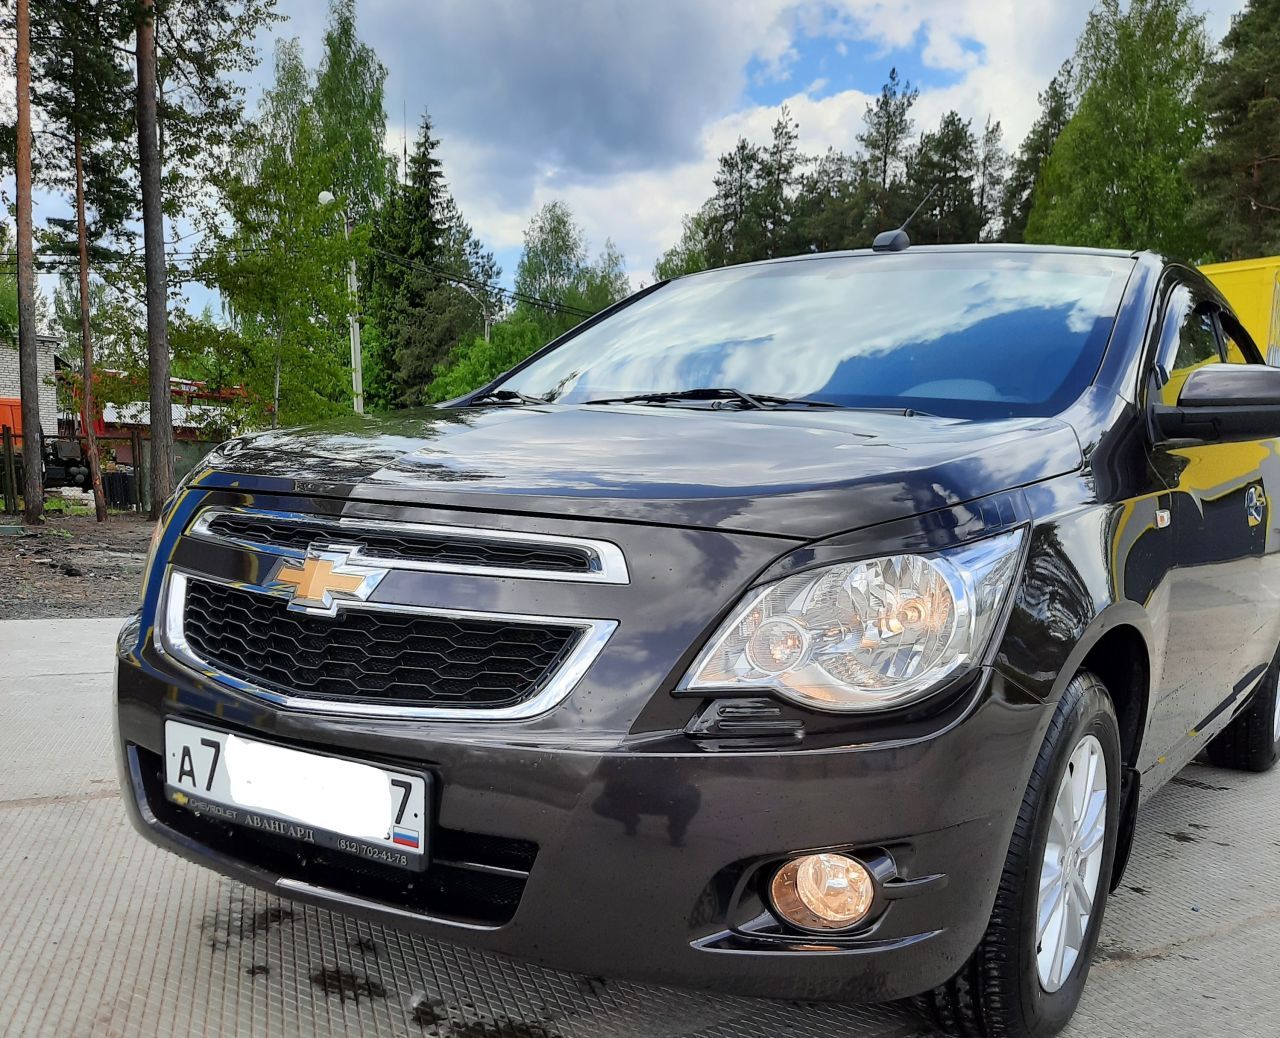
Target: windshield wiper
506 396
749 401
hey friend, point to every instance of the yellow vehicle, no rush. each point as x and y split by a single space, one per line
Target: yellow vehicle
1252 287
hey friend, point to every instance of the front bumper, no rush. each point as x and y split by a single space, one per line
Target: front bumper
629 860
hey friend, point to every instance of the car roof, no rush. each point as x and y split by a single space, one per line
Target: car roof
975 247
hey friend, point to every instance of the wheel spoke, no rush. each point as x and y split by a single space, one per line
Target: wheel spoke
1049 907
1059 954
1050 875
1082 780
1063 813
1094 829
1083 898
1077 921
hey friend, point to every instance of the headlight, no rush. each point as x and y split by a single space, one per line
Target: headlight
864 635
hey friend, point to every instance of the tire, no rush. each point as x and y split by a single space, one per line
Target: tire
1251 742
999 992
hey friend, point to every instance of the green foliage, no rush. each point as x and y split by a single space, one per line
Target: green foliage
280 258
1117 174
1238 173
749 215
1056 106
689 254
886 137
989 179
772 200
8 293
84 94
119 342
216 354
555 267
478 362
204 48
351 117
836 205
418 312
945 162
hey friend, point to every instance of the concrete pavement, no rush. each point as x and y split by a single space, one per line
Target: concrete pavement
102 934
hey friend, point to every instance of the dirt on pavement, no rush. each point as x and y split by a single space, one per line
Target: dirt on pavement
72 566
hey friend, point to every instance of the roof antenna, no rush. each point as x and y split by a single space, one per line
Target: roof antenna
896 240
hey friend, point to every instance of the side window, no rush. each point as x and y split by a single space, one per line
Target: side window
1232 353
1274 344
1197 341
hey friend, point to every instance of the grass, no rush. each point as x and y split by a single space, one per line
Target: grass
61 506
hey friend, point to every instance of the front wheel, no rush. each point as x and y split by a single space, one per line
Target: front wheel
1026 976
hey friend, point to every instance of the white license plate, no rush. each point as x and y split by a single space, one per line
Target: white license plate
372 812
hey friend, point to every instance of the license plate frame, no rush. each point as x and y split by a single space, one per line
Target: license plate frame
233 778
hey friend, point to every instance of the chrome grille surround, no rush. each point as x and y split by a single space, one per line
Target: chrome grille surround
605 561
172 641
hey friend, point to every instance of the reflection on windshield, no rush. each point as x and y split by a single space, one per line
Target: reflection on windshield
966 334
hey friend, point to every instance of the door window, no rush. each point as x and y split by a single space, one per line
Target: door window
1232 352
1197 341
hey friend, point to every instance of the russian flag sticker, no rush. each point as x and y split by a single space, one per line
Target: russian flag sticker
404 837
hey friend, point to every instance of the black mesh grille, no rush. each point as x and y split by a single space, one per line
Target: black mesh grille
416 546
382 657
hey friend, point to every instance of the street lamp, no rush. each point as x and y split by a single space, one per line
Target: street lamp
326 199
484 307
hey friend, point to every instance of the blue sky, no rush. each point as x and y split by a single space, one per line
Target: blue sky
621 107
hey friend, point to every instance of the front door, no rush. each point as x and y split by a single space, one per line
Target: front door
1224 618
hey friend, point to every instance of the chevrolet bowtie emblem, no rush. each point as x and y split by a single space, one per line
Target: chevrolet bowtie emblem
324 578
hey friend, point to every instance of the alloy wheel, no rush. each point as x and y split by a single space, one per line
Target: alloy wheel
1072 863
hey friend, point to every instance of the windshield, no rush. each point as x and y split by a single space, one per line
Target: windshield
965 334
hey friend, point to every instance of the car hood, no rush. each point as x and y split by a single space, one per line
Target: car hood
792 473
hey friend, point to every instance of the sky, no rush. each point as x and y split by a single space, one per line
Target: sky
621 107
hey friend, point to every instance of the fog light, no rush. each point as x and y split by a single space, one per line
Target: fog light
822 892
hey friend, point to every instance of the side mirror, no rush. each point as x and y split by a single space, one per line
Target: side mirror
1224 403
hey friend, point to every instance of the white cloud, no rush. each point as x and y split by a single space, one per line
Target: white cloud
1001 53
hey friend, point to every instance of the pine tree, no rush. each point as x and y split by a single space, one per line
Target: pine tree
835 204
990 177
945 162
735 234
781 162
689 254
84 93
427 281
886 138
1238 174
1056 106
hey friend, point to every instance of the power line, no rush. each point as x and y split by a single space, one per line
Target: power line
176 257
516 296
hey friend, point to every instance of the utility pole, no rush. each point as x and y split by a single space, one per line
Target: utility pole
154 261
357 358
28 370
325 199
